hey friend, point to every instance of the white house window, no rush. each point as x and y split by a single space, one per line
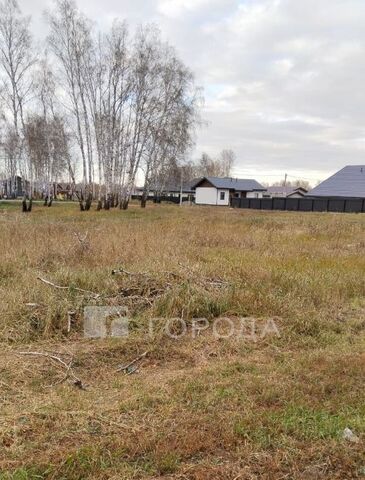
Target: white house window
222 195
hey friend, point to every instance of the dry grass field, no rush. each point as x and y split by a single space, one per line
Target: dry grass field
200 407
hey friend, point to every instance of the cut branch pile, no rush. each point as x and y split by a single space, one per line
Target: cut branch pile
142 288
146 286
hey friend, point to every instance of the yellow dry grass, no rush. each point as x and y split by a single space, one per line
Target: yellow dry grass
200 407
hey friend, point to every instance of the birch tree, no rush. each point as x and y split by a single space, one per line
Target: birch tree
47 142
109 91
133 103
71 43
48 150
16 61
171 132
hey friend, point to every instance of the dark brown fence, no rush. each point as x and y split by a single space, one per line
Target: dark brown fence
162 198
349 205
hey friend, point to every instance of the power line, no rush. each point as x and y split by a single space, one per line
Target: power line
251 172
276 175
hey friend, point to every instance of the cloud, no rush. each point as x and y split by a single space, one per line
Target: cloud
205 8
283 78
174 8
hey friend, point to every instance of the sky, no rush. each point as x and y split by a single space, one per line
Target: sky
283 80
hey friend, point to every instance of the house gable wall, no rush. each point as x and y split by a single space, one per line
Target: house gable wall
211 196
205 184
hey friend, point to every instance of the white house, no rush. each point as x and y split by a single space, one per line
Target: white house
220 191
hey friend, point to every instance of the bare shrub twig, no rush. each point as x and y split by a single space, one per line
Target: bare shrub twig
131 366
60 287
69 373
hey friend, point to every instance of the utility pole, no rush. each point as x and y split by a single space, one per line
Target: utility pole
284 188
181 187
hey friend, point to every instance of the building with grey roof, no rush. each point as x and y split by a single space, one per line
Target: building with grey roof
349 182
285 191
220 191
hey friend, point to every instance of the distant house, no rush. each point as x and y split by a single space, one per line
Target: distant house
172 189
220 191
168 190
346 183
285 192
12 187
62 191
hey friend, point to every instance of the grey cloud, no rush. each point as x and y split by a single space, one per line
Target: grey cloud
283 78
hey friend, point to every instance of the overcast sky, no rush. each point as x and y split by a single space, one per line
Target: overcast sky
284 80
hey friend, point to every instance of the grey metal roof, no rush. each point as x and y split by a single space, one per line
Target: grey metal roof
245 185
348 182
285 190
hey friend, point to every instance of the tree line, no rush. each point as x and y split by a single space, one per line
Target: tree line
95 107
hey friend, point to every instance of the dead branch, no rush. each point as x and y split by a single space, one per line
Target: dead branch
83 241
139 298
130 367
70 320
204 281
122 271
69 373
60 287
